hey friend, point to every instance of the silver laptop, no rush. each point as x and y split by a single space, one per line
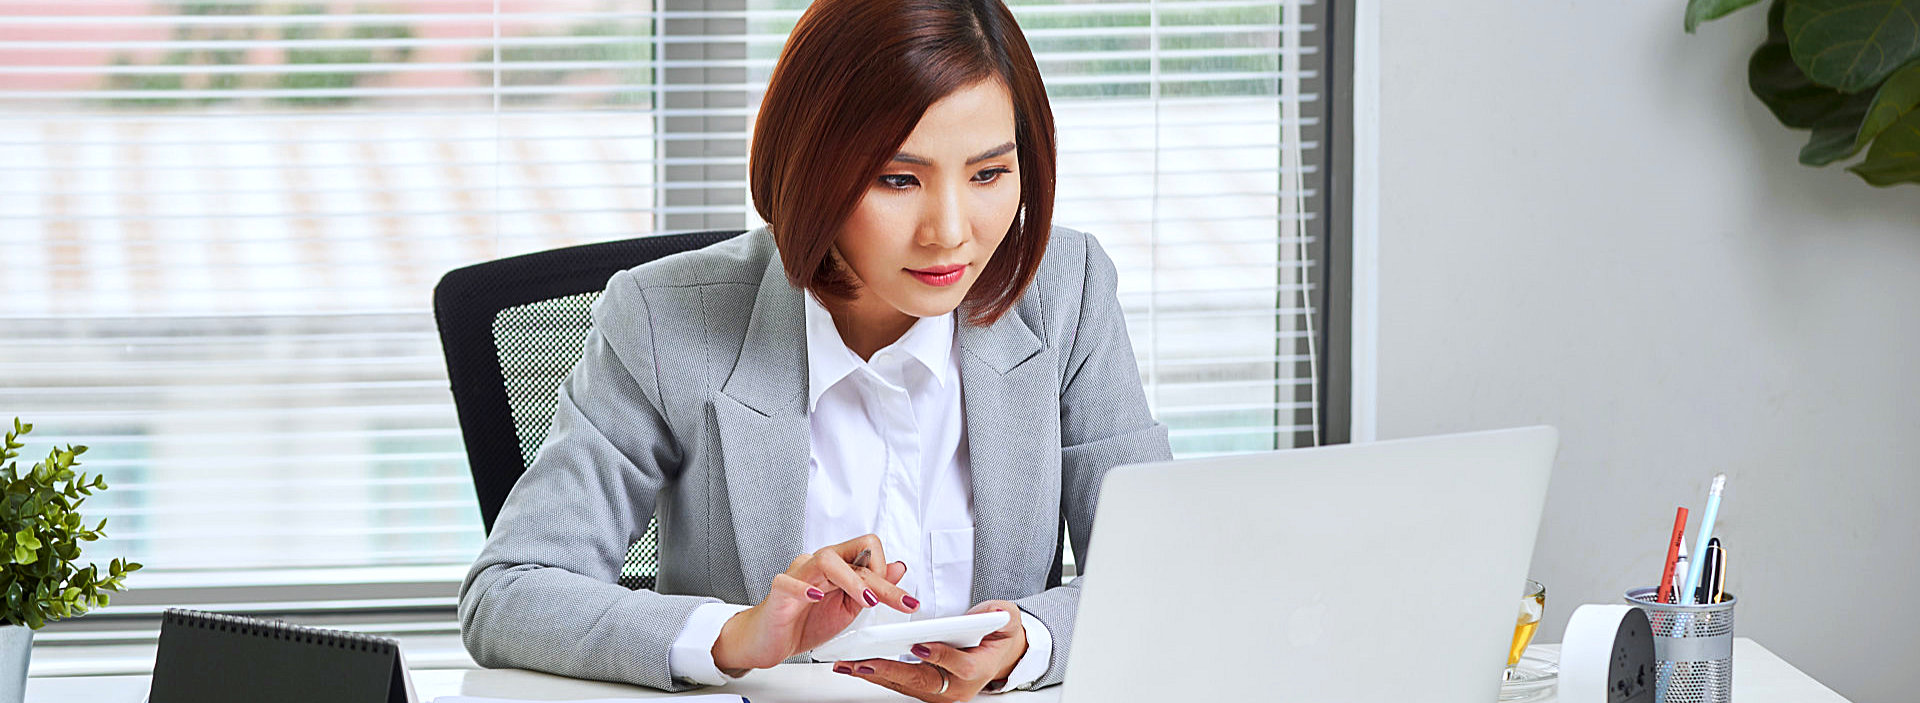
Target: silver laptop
1387 571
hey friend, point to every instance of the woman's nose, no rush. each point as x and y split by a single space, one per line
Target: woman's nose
946 223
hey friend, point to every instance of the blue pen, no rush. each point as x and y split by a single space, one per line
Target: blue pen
1700 541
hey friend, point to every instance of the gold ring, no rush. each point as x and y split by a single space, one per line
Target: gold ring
944 681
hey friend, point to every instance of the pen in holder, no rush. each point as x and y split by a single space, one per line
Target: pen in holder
1692 648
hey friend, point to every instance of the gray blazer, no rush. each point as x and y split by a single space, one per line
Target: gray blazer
690 404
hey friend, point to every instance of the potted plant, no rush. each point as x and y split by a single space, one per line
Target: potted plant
1848 70
40 535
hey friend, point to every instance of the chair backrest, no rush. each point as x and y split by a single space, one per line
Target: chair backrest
511 330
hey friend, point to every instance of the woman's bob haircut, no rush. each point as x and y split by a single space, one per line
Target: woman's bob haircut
851 84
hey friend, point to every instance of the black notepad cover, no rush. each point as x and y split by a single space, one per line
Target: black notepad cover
213 658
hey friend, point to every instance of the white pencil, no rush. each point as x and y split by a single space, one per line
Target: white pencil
1700 540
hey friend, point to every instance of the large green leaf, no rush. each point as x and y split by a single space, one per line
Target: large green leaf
1800 103
1895 156
1897 97
1786 90
1702 10
1853 45
1829 144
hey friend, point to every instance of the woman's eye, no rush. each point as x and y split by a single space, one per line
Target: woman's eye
901 181
993 174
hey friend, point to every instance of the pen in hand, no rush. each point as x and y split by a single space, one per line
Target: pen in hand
860 563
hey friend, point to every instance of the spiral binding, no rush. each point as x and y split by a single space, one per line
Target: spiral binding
278 630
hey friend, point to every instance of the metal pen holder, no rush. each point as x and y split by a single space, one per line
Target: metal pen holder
1692 648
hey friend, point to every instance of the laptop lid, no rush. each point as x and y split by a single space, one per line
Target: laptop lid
1387 571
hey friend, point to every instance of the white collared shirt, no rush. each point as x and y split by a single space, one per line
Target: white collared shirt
888 456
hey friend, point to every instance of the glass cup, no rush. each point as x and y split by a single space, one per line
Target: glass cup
1533 604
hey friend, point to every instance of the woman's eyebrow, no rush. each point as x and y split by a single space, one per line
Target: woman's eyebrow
905 157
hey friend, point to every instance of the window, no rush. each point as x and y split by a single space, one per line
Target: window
222 221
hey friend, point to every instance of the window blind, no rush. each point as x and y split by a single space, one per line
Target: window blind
221 223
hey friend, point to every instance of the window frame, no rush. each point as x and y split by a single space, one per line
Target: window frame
410 596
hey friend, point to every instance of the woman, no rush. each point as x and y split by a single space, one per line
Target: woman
953 370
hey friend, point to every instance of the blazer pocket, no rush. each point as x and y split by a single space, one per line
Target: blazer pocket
952 554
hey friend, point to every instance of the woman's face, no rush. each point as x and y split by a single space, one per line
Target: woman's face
933 218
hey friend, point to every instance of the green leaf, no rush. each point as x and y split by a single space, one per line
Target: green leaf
1895 156
1829 144
1793 97
25 538
1897 97
1853 45
1703 10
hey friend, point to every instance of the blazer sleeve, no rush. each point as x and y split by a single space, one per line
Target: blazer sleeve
1104 422
543 593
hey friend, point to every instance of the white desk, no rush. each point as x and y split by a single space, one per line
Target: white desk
1759 677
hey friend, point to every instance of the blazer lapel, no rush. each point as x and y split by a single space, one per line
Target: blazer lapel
764 437
1012 433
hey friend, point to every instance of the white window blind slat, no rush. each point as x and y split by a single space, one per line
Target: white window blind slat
223 226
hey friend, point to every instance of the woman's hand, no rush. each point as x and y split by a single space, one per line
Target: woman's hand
949 674
816 598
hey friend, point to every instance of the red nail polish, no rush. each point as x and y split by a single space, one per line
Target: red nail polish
921 651
842 669
867 669
868 595
911 602
816 594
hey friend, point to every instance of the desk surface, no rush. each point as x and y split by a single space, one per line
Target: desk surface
1759 677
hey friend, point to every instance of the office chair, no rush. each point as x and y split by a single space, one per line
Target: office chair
511 330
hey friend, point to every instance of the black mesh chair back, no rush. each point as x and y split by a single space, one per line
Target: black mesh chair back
511 330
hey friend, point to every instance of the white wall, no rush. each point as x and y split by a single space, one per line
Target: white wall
1586 220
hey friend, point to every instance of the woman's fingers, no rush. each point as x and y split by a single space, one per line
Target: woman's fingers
961 664
836 571
790 596
918 680
886 591
872 585
870 543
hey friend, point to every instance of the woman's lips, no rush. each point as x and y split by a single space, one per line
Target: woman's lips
939 275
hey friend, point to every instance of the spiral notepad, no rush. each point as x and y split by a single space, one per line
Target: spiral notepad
215 657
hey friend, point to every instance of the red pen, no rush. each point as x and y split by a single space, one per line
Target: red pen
1664 595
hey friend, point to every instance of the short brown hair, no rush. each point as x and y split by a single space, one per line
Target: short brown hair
853 80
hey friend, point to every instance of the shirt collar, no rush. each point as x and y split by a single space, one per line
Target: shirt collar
929 341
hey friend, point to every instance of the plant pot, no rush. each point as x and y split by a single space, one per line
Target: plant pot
16 648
